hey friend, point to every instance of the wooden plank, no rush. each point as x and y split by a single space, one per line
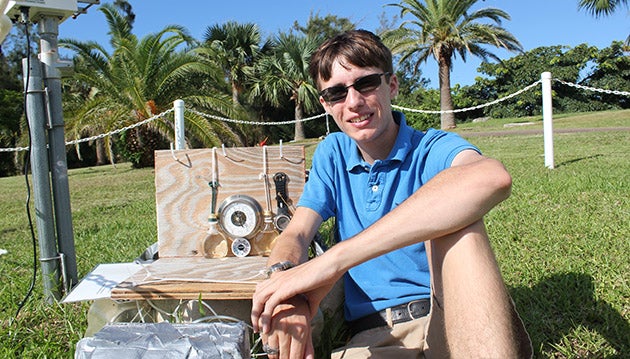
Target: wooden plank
183 194
180 291
194 278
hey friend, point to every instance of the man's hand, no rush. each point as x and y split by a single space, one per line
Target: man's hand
290 334
311 280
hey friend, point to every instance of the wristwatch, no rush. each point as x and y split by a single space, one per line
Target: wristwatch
278 267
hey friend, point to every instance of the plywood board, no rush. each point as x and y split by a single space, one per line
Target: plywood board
184 196
194 278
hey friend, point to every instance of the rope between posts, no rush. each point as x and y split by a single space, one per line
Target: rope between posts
102 135
582 87
527 88
264 123
14 149
258 123
114 132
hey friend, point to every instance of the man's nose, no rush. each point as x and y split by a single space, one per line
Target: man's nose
354 97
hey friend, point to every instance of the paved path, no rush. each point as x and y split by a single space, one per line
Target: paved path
540 131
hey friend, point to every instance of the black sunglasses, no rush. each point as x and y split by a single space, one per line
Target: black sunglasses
363 84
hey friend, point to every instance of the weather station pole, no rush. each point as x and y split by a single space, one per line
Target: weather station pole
41 183
49 166
48 31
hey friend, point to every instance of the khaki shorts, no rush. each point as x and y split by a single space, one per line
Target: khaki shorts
401 341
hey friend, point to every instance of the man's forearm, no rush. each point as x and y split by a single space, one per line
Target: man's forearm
293 243
288 249
452 200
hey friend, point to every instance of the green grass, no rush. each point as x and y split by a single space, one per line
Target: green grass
560 121
562 241
114 220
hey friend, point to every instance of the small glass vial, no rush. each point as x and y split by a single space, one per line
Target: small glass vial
264 241
215 245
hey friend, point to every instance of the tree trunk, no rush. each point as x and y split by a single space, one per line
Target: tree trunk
141 145
299 125
447 120
235 102
101 152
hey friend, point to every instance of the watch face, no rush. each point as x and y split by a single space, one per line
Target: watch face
240 216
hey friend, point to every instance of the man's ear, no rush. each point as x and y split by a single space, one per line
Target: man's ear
393 86
324 104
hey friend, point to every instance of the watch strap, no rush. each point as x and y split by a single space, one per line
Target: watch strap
278 267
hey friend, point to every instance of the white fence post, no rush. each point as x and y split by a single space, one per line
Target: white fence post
547 110
180 138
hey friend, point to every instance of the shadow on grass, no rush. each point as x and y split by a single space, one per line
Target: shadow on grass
562 302
578 160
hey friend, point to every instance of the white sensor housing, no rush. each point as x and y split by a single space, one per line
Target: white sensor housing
39 8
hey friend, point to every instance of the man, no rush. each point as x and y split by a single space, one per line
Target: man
409 207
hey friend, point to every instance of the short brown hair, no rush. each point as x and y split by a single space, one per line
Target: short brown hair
360 48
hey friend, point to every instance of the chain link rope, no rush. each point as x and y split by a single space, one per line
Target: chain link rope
526 88
582 87
264 123
258 123
102 135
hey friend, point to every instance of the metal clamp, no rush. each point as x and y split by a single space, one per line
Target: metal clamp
62 263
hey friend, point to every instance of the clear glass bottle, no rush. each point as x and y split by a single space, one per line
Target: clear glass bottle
215 244
265 239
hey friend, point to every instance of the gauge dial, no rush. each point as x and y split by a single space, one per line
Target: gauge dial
240 216
241 247
281 221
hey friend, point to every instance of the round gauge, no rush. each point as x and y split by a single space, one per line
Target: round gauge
240 216
241 247
281 221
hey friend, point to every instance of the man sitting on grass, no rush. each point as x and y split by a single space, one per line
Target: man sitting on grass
420 277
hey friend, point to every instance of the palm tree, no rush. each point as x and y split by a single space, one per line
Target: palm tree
234 47
602 7
442 29
127 10
284 75
140 79
599 8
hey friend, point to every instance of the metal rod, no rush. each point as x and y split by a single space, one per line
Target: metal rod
49 53
41 181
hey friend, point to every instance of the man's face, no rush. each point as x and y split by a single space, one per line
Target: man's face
364 113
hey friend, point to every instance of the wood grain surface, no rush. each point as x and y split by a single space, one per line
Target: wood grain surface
194 278
184 196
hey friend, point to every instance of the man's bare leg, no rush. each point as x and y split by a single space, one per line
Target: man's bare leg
477 316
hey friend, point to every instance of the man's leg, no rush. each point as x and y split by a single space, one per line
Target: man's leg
477 317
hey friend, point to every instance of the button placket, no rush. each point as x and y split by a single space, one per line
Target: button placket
374 191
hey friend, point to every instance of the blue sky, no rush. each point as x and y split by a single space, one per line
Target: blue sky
534 22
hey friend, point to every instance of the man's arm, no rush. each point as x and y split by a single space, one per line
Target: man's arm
292 244
454 199
290 330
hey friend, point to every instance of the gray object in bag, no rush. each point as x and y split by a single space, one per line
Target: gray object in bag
165 340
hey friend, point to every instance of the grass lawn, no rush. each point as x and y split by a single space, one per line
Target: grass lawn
562 240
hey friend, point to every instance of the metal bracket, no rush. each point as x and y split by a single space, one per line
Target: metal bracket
62 264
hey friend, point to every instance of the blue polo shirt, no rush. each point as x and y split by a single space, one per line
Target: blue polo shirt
342 185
